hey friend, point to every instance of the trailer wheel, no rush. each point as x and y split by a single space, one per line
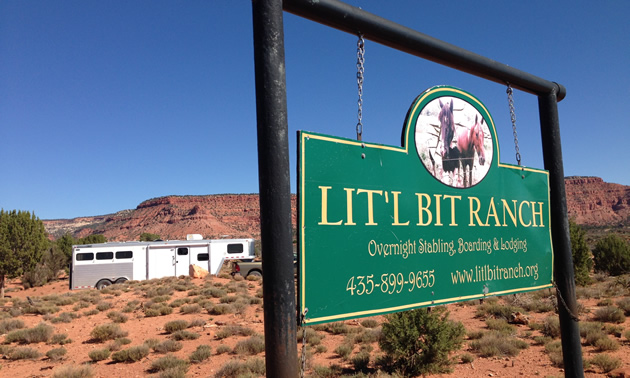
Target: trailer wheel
120 280
103 284
255 273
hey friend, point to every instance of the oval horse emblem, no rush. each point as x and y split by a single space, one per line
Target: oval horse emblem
454 142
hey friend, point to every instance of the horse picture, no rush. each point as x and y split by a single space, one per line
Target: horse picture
470 141
454 142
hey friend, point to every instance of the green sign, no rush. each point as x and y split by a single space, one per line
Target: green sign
438 220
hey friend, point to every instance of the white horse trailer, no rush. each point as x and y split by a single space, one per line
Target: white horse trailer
100 265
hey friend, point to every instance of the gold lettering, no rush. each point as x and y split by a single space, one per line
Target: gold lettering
422 210
492 212
452 198
324 221
396 221
370 197
520 214
474 211
438 215
349 220
510 213
539 213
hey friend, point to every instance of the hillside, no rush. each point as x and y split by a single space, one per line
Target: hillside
590 201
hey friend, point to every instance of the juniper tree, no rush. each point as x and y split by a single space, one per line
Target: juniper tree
23 239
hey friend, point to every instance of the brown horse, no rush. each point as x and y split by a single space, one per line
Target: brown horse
447 126
469 141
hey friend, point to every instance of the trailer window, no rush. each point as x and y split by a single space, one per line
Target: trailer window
203 257
182 251
235 248
85 256
124 254
104 255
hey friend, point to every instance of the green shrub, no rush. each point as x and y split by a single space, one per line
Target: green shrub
72 371
202 353
582 261
251 346
106 332
185 335
103 306
310 335
606 344
65 317
343 350
23 353
624 304
605 362
117 317
501 325
56 354
38 334
494 343
229 331
491 308
610 314
252 367
368 336
175 325
190 309
369 323
131 306
99 354
332 371
221 309
151 342
338 328
222 348
466 358
168 362
197 322
419 341
59 338
157 310
118 344
612 255
551 327
132 354
168 346
7 325
360 361
554 351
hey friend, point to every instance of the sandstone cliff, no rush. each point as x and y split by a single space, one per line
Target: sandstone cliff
590 201
593 202
173 217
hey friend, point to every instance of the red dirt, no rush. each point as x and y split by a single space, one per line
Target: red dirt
532 361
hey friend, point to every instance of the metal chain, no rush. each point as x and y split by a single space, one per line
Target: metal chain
360 71
303 367
564 304
513 116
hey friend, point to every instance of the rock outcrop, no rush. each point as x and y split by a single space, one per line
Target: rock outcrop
593 202
173 217
590 201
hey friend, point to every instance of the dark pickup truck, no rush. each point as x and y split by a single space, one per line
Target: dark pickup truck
245 269
254 268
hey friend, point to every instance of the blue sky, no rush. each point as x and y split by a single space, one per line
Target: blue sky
104 104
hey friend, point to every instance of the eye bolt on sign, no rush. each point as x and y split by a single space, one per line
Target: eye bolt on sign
438 220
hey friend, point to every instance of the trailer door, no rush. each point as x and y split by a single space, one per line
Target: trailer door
161 262
182 261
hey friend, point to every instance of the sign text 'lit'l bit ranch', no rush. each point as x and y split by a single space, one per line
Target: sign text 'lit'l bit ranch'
438 220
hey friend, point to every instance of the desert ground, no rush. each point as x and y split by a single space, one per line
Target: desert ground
157 327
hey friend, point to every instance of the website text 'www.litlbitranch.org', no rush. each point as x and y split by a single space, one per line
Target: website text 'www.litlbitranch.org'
488 272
